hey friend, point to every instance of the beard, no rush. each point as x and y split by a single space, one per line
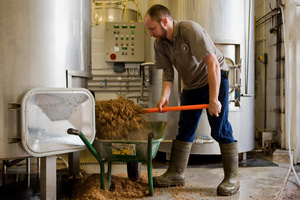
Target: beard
163 35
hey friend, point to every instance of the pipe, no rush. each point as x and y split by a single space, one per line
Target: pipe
248 50
115 76
267 18
287 96
114 86
116 90
125 11
117 80
138 10
8 163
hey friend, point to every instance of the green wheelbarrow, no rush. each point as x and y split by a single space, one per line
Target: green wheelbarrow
133 151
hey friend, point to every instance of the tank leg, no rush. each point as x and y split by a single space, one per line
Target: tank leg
48 177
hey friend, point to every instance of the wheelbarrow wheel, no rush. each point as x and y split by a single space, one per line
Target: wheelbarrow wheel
134 170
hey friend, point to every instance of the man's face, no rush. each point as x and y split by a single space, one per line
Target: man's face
155 29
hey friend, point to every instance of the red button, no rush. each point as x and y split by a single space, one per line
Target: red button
113 56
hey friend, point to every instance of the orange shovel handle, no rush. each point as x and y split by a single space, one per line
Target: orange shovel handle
176 108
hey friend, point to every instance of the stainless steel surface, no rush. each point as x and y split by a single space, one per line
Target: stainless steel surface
39 41
109 12
171 117
48 178
46 115
230 25
113 12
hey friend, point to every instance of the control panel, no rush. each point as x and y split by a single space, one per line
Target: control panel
124 41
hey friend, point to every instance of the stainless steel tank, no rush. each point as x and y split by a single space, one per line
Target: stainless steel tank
113 12
42 44
105 12
230 24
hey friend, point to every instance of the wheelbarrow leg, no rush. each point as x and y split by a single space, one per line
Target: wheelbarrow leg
102 177
109 173
149 163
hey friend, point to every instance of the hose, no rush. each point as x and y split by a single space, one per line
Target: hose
125 11
287 102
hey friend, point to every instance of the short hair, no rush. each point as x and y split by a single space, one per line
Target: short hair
157 12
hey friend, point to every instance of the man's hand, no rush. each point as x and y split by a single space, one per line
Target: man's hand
214 108
163 102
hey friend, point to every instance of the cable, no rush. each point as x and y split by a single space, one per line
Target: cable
287 104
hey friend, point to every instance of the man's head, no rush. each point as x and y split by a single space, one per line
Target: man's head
158 21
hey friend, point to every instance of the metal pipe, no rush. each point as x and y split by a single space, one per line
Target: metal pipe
28 165
4 167
145 98
39 164
121 90
8 163
248 50
113 75
113 86
117 80
278 12
142 71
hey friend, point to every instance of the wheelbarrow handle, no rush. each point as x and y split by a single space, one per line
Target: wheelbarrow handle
151 135
93 151
73 131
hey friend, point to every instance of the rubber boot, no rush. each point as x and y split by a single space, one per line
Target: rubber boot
174 176
230 184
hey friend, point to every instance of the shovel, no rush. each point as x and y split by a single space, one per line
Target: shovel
177 108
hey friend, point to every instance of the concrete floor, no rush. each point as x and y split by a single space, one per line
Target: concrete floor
260 179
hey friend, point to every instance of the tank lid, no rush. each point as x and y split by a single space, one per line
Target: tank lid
47 113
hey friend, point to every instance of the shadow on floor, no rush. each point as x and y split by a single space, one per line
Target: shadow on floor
215 161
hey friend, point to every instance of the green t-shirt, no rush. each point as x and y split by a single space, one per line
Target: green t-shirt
190 45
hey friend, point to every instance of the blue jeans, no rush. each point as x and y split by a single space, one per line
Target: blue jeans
221 129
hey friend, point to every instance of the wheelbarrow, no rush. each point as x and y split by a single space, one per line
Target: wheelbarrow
133 151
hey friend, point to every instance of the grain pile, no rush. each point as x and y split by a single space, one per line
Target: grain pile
119 119
121 188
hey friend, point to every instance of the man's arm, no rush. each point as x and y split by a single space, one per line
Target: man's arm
167 83
214 80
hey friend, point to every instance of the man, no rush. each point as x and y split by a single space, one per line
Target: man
187 47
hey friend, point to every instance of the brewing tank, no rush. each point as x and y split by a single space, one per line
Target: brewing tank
42 44
230 24
112 12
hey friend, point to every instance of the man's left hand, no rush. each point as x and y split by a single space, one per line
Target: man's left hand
214 108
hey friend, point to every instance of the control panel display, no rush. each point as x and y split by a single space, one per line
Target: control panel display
124 41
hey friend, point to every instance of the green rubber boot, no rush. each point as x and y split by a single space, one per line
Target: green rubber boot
174 176
230 184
